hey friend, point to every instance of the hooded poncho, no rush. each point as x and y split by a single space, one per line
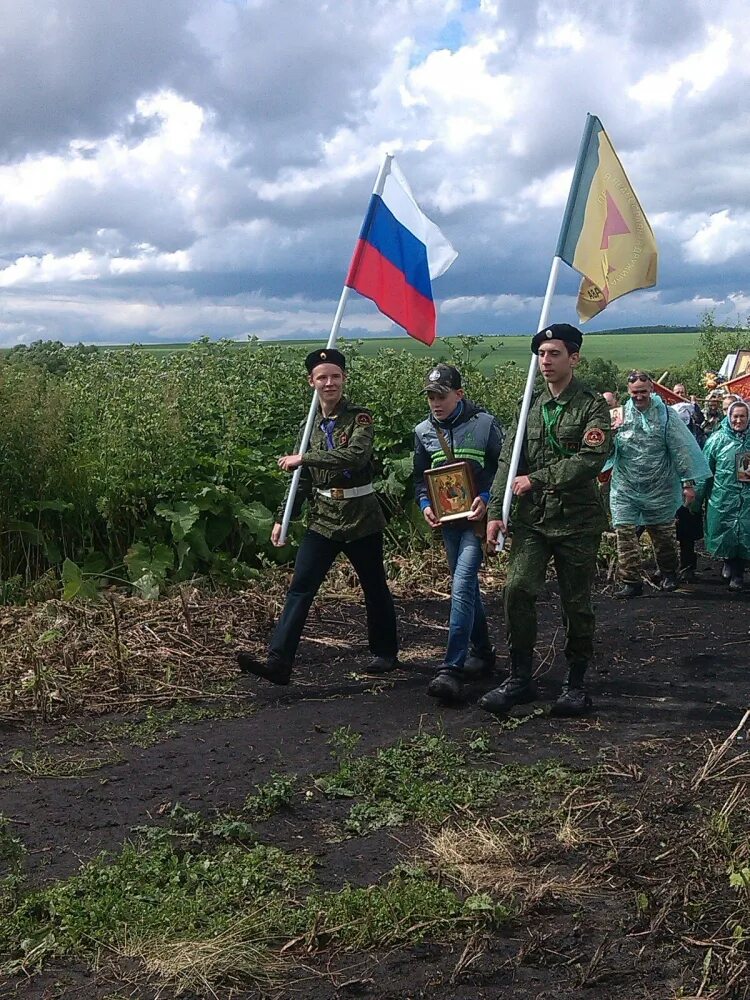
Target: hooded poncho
728 510
654 453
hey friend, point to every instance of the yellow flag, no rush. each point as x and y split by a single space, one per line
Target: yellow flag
605 234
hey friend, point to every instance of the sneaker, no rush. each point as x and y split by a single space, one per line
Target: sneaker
735 584
629 590
446 685
273 670
669 581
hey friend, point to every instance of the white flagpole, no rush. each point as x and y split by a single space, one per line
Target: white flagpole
515 456
543 321
332 338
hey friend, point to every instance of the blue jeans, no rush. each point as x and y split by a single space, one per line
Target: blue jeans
468 623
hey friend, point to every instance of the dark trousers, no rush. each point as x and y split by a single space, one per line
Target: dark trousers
314 558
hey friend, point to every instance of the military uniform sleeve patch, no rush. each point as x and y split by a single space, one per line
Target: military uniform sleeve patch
363 419
594 437
343 439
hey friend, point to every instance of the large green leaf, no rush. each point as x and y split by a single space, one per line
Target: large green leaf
257 518
34 535
217 529
74 583
182 516
58 505
145 560
196 537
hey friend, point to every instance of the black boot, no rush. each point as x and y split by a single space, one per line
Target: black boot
382 665
628 590
273 670
480 662
726 570
517 689
446 685
573 700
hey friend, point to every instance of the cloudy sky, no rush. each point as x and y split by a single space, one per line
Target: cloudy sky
171 169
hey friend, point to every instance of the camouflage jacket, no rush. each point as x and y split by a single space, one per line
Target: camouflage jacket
562 455
339 457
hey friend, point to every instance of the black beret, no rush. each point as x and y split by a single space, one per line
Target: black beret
328 356
558 331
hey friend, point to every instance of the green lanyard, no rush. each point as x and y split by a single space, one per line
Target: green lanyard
552 410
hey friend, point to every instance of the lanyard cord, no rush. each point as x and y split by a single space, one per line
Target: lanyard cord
552 410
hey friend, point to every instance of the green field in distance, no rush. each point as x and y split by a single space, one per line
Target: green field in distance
656 352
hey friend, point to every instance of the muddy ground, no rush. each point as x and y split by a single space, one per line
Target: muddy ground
672 674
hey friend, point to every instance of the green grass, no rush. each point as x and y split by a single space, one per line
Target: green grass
428 777
167 904
654 351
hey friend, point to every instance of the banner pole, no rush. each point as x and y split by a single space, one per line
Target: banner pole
332 338
515 456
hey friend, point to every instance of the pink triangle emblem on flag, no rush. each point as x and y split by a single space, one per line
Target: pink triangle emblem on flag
614 224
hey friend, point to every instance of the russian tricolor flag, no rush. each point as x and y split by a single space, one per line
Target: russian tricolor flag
398 255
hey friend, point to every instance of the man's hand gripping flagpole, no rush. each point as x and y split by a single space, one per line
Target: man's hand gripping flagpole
584 243
332 338
515 456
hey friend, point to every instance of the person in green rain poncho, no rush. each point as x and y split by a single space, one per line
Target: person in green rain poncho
728 492
656 466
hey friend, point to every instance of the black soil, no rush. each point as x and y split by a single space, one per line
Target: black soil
672 672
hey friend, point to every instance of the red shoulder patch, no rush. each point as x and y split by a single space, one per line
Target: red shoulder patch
594 437
362 419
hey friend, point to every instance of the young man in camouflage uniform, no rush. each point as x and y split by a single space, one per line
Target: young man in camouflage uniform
457 429
344 516
559 516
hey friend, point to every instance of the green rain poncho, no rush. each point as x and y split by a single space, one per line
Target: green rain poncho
654 453
728 509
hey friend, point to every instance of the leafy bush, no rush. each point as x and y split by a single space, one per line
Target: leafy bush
153 467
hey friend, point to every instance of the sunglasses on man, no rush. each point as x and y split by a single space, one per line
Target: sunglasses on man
635 376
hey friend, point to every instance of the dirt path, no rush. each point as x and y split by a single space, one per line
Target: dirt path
672 671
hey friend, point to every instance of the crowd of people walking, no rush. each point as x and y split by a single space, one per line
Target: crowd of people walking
675 472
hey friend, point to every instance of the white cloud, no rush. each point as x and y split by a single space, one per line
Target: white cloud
207 172
692 75
719 238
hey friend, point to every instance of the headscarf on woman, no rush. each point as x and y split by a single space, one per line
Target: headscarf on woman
728 511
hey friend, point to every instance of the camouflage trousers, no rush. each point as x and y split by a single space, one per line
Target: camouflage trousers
664 540
575 565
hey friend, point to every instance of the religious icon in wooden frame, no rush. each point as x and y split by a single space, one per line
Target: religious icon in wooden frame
743 467
451 489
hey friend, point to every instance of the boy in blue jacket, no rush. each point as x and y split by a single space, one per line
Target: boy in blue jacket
458 429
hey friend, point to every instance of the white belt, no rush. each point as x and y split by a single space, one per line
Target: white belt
353 491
